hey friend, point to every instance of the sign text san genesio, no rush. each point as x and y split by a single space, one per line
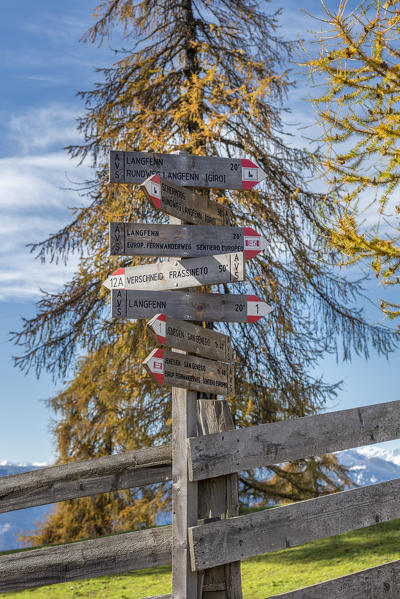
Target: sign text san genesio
191 372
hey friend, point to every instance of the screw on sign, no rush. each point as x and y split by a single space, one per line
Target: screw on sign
190 372
185 305
180 274
138 239
185 169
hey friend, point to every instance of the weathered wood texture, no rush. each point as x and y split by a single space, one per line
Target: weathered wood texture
185 169
191 372
291 525
184 493
188 306
218 498
191 338
191 205
86 559
277 442
381 582
89 477
138 239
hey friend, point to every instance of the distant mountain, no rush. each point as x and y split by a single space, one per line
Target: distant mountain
13 524
371 464
367 466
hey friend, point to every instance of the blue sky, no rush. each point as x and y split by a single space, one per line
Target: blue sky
42 68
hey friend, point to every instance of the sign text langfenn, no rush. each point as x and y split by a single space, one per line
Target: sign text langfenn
188 306
185 169
186 241
190 337
190 372
179 274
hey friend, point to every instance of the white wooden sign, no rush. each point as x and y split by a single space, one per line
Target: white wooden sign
179 274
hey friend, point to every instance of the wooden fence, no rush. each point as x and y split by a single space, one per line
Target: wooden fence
224 541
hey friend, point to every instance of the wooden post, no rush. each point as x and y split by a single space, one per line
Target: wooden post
218 499
184 493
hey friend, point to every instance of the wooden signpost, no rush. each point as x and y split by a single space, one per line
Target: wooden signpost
179 274
190 372
184 203
185 169
191 337
213 253
137 239
188 306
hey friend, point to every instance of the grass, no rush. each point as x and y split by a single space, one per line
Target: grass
262 576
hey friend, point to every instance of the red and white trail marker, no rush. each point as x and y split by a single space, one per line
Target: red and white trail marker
190 372
186 241
183 203
188 170
190 337
186 305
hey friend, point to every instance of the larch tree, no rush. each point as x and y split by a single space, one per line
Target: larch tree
208 77
358 68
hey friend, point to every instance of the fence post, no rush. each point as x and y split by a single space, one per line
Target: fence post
184 493
218 499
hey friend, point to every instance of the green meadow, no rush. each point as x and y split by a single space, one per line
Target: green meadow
262 576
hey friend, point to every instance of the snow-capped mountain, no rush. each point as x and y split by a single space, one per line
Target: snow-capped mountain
367 466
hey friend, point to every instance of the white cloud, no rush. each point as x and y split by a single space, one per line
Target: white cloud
43 128
34 201
5 528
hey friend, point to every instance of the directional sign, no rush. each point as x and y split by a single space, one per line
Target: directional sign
180 274
188 170
190 372
188 306
136 239
185 204
191 337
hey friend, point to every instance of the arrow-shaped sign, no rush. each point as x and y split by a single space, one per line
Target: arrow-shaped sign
179 274
191 337
188 306
188 170
185 204
190 372
137 239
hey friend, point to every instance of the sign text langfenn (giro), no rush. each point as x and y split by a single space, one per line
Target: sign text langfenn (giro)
210 307
190 372
190 337
179 274
192 206
137 239
185 169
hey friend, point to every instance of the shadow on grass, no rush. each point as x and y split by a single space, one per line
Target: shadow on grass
379 539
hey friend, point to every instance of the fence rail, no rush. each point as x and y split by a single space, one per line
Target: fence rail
85 559
266 444
381 582
228 540
237 538
89 477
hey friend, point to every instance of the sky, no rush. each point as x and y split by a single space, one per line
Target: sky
43 66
